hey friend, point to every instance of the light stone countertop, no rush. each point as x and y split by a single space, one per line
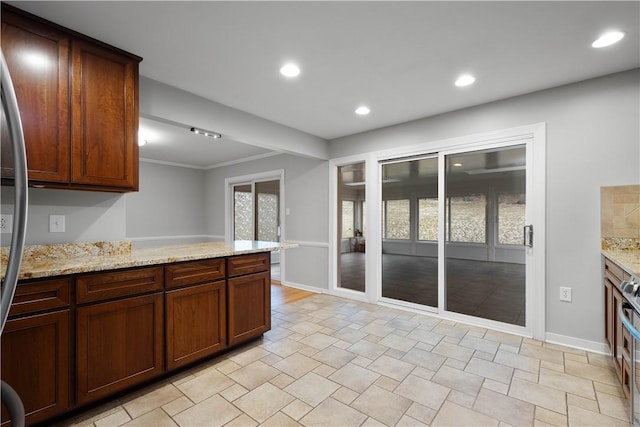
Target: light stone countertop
627 259
72 258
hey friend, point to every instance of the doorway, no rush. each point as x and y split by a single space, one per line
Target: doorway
255 212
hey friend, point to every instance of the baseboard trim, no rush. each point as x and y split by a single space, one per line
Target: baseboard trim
303 287
591 346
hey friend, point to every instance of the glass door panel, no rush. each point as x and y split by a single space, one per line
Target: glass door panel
268 211
351 231
242 212
410 231
484 217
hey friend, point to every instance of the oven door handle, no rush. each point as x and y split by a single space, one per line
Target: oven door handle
623 317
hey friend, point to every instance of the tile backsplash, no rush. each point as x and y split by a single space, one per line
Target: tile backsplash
620 212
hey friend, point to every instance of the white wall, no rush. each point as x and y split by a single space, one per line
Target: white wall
306 196
169 208
592 141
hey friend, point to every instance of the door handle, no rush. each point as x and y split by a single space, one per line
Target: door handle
528 235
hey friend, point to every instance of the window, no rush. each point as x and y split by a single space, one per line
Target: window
511 218
396 219
467 218
347 218
428 219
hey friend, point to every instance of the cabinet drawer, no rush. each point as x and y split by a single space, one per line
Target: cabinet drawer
247 264
41 296
192 272
613 269
118 283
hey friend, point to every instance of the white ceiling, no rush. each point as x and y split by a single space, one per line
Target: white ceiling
399 58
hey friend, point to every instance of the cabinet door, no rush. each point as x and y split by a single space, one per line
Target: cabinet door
249 306
104 117
617 333
196 323
608 314
38 60
119 344
35 362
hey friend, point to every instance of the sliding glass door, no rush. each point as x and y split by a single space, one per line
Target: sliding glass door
453 230
351 222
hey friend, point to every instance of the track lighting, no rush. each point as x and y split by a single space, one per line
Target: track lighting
214 135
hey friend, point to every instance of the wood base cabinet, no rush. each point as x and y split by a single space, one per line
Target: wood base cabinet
35 362
196 323
118 344
249 306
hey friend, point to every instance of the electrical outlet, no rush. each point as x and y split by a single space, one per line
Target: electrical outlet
565 294
6 223
56 223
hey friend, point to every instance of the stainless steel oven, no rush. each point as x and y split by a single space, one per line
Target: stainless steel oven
631 291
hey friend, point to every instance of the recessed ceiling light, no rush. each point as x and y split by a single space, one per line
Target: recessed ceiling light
290 70
362 110
457 165
465 80
607 39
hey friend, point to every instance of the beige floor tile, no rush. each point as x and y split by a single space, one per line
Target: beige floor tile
233 392
456 364
355 377
345 395
565 382
367 349
297 409
517 361
558 367
387 383
204 386
306 328
296 365
389 413
244 358
349 334
503 338
504 408
396 342
613 406
496 386
177 406
312 388
487 369
88 418
152 400
615 390
582 402
254 375
227 366
550 418
458 380
264 401
377 330
453 351
423 373
334 356
422 391
332 413
539 395
282 380
271 359
424 359
243 420
318 340
372 422
599 360
212 412
524 375
425 336
460 398
453 330
455 415
362 361
407 421
324 370
542 353
592 372
116 419
280 420
577 357
481 344
584 418
155 418
421 413
564 349
484 356
391 367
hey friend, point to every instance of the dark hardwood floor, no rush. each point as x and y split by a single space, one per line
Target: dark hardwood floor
490 290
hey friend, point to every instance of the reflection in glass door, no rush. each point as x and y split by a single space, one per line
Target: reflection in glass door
351 231
410 230
485 201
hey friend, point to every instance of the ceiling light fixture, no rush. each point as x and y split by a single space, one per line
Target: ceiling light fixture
607 39
290 70
362 110
457 165
465 80
214 135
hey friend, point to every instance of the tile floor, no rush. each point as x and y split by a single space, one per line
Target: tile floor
333 362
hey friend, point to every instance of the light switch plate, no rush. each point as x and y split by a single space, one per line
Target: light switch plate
6 223
56 224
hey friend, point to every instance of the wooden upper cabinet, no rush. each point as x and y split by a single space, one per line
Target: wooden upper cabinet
38 61
104 117
78 100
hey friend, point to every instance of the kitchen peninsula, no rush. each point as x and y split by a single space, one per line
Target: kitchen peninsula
92 320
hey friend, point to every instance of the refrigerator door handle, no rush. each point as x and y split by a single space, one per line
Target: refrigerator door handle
14 124
16 135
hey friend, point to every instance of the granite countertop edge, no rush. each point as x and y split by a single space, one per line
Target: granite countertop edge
52 261
629 260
